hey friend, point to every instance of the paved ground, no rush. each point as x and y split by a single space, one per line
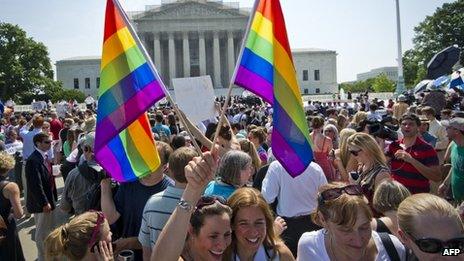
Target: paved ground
26 227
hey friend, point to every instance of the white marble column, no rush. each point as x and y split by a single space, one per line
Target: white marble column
230 53
216 60
202 53
186 51
172 56
157 51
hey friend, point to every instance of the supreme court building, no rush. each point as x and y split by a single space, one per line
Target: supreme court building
188 38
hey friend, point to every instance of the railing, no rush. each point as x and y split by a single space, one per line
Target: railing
312 97
28 108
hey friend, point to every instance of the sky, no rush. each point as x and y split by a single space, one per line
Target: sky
362 32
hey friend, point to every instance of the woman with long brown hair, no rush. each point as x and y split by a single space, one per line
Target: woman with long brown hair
254 235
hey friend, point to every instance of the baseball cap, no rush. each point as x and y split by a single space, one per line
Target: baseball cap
457 123
89 140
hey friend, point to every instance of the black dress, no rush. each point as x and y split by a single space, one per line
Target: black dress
11 248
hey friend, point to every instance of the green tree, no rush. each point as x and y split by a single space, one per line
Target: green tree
442 29
383 84
25 68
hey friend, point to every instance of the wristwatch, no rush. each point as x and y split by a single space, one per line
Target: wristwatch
185 205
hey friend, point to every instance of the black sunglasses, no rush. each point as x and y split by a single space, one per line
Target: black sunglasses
433 245
47 141
334 193
209 200
355 152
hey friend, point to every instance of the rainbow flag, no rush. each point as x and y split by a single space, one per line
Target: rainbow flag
266 69
129 85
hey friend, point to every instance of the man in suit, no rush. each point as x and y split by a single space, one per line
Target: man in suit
41 190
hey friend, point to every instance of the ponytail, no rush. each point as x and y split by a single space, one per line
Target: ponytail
71 239
56 242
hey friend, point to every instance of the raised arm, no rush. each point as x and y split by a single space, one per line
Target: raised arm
107 202
171 240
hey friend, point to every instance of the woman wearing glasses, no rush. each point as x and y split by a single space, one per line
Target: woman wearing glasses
85 237
199 228
345 216
372 169
255 237
429 225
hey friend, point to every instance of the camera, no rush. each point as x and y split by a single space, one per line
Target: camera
384 129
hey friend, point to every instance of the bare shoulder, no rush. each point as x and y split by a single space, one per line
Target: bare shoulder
284 252
10 189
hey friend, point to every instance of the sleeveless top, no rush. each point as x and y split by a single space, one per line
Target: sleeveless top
322 158
367 182
5 204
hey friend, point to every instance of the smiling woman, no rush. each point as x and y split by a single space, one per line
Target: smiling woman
345 216
254 235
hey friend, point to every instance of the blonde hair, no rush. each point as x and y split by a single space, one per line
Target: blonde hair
248 147
7 162
358 117
250 197
343 146
368 144
71 239
426 205
342 121
388 196
343 210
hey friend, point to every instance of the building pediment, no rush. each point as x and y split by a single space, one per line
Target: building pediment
189 10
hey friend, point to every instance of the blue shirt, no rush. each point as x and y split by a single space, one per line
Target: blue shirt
215 188
429 138
28 144
161 130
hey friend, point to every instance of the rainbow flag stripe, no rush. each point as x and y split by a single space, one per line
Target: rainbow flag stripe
124 144
266 69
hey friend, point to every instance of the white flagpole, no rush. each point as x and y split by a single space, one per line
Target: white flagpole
237 65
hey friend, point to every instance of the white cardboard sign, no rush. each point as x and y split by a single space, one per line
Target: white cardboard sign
195 97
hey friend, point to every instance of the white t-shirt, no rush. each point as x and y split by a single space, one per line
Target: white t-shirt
296 196
311 246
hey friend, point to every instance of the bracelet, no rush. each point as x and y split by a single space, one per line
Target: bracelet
185 205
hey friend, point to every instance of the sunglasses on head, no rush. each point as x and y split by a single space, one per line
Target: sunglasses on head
96 230
335 193
355 152
209 200
433 245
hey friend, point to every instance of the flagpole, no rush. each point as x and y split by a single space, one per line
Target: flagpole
232 80
152 66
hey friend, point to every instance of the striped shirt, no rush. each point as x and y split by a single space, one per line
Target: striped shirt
406 173
156 214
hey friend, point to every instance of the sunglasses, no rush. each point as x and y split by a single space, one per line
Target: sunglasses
96 230
334 193
355 152
47 141
209 200
433 245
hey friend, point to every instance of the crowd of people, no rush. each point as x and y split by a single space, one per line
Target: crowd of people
386 183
